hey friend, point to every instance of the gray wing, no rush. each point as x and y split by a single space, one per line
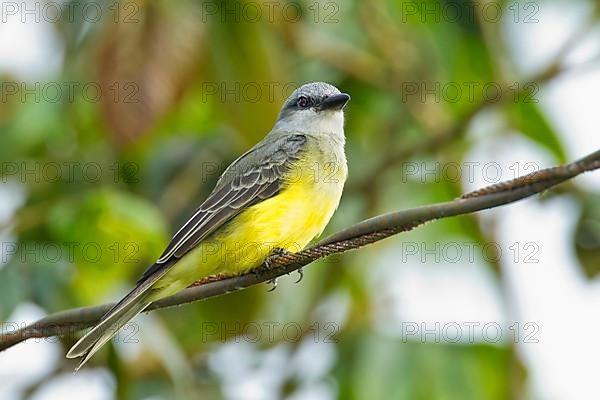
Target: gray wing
252 178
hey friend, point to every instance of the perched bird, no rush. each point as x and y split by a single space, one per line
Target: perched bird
277 196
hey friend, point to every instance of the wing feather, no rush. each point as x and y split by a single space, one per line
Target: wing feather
249 180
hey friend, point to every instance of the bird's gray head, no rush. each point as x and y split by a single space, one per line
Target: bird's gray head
313 108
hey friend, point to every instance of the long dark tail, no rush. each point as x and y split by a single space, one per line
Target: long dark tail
131 305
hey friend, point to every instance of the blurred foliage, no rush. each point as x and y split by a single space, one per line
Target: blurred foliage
185 87
587 236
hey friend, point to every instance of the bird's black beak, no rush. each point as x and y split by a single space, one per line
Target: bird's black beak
335 102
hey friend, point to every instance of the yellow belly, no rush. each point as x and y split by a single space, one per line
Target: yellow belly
289 220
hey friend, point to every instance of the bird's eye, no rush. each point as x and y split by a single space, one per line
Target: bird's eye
303 102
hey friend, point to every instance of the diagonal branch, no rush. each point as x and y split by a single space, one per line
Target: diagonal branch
366 232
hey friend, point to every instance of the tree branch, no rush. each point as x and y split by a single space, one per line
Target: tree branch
366 232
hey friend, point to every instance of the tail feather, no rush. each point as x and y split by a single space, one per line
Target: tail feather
89 344
131 305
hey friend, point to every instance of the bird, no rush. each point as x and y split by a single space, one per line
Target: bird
276 197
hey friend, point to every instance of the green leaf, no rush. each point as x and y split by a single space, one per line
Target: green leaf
112 235
587 235
526 116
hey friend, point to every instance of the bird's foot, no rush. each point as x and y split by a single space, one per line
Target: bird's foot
300 275
276 252
274 283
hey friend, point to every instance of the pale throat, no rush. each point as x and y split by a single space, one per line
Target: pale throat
330 123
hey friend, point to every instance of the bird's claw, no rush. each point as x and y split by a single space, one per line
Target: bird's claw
274 283
276 252
300 275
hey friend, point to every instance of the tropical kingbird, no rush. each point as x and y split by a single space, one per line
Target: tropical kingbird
279 195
